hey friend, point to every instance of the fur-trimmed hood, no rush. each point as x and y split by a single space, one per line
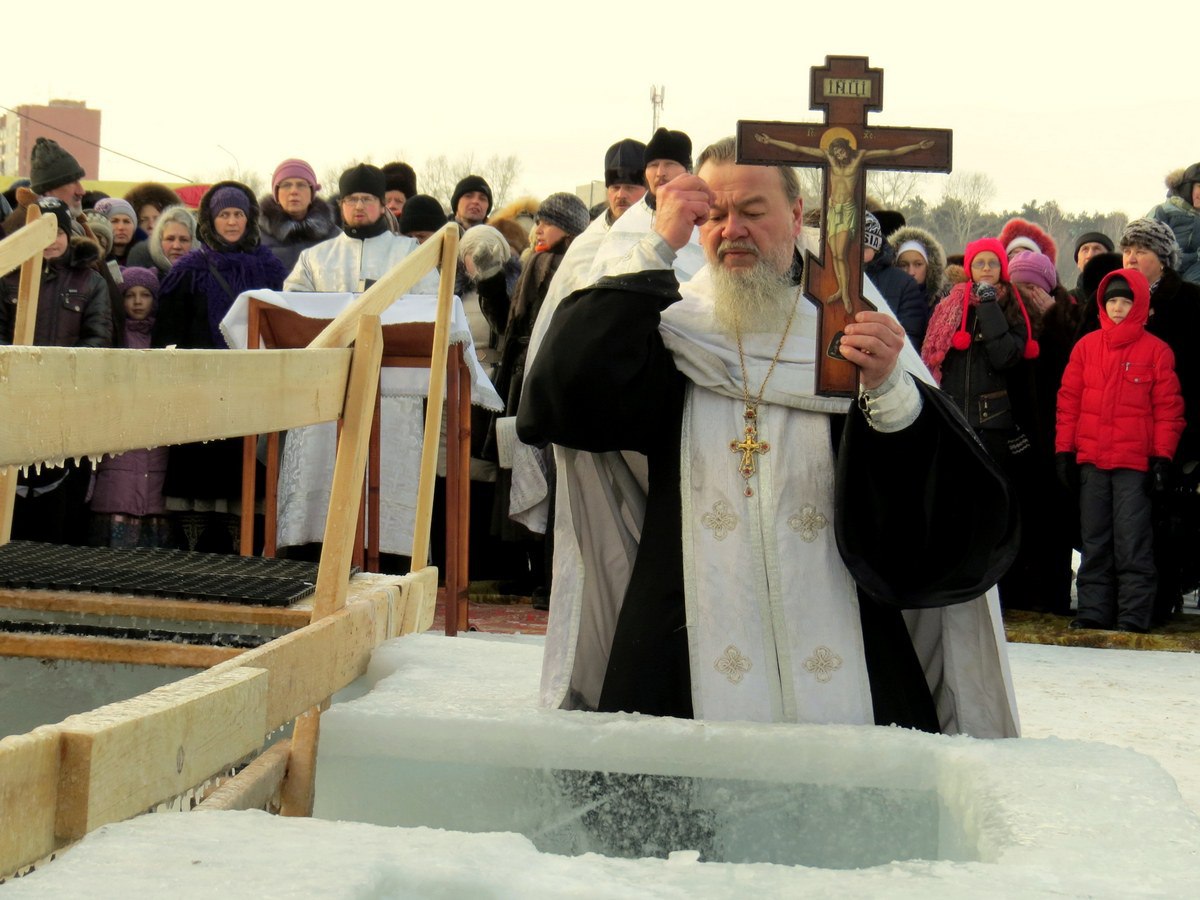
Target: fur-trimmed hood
83 252
935 275
204 221
317 225
1179 182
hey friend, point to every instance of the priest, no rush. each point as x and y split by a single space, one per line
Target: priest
801 558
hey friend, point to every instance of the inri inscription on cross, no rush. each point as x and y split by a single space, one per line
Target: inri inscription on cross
844 146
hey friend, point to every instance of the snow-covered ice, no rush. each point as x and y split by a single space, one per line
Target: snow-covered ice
1047 815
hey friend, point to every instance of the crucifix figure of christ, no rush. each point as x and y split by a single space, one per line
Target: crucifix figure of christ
845 147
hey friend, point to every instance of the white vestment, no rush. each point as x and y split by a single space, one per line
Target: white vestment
341 264
773 626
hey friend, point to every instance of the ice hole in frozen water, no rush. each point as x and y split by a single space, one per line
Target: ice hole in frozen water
440 739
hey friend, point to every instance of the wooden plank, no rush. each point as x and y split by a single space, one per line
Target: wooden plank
433 407
28 795
383 293
349 467
308 665
50 396
127 605
419 603
122 759
255 786
25 242
114 650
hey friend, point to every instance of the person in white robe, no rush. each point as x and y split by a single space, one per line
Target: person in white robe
352 261
774 596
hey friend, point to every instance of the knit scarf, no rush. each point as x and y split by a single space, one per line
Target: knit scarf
947 318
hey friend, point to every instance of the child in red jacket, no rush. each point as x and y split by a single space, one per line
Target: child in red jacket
1120 415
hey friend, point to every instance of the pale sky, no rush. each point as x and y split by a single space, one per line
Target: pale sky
1090 110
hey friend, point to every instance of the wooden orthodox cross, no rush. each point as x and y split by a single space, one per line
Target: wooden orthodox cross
844 146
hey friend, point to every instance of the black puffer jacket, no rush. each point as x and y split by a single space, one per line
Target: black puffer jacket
73 309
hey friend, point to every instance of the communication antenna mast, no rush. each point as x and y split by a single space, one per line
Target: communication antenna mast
657 92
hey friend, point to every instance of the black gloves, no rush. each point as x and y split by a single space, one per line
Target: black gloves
1160 474
1067 470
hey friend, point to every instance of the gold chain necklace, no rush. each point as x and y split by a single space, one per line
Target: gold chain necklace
750 444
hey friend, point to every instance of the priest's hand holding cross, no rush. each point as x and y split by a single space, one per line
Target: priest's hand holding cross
872 342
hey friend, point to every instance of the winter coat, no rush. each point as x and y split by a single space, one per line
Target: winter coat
1119 404
977 378
74 308
286 237
902 293
195 296
202 285
1175 318
132 482
1177 213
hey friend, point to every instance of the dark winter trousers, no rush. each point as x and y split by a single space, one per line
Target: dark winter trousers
1116 582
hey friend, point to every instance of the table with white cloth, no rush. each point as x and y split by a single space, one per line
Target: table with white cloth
306 471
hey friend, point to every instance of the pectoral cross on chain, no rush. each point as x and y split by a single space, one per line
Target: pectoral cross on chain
748 446
845 146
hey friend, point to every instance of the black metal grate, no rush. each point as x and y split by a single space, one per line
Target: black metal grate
172 574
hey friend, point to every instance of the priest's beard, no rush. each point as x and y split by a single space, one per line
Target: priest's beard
755 300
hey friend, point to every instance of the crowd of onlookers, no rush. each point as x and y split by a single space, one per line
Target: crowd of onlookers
1088 396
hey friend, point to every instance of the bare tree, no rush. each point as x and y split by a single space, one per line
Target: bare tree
895 190
501 173
441 174
965 195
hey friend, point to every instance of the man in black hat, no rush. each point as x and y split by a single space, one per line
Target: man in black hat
471 201
624 176
667 156
630 245
1088 245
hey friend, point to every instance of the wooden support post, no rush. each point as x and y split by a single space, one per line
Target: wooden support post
299 784
333 576
345 496
437 393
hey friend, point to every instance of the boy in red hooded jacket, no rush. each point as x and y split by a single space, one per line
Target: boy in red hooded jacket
1119 418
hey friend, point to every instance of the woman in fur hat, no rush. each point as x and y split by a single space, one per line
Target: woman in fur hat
148 200
196 294
1019 235
1181 213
